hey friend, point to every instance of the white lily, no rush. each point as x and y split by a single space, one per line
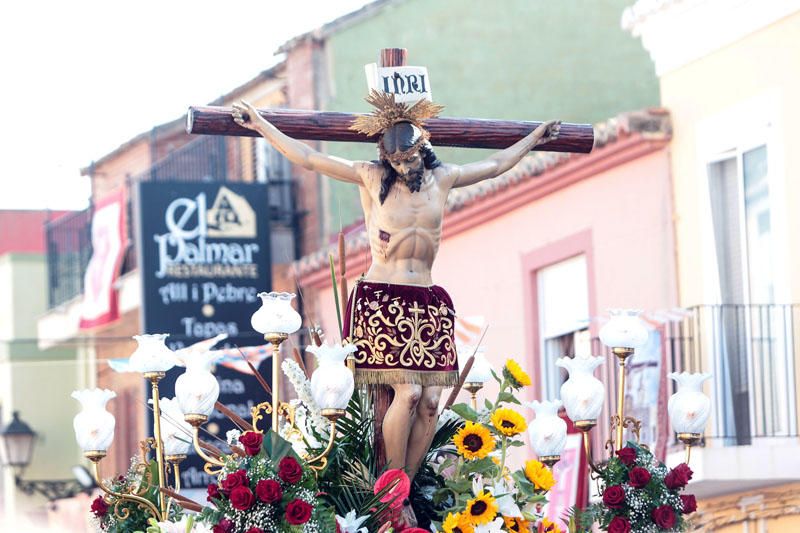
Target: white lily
350 524
232 436
477 484
495 526
504 497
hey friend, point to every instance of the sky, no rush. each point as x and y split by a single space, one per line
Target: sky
79 78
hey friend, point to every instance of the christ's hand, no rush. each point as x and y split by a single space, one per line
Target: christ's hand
548 131
247 116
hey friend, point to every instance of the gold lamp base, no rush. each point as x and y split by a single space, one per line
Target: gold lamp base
333 414
276 338
174 459
95 456
195 420
154 376
690 439
585 425
549 460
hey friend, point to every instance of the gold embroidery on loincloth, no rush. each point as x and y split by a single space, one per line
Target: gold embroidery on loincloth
413 338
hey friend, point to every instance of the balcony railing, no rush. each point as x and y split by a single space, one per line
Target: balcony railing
69 247
751 350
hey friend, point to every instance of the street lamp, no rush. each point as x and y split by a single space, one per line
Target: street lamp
16 448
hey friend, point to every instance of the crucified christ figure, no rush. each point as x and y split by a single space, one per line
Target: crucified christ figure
400 321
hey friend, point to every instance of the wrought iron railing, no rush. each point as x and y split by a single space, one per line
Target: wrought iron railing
69 247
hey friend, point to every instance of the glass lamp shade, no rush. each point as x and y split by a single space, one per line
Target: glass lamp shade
583 394
16 443
547 432
624 330
197 389
175 432
94 426
689 407
481 370
276 314
332 382
152 354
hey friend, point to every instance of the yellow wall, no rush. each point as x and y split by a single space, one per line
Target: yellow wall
756 76
763 64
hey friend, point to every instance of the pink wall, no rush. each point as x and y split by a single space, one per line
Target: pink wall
621 217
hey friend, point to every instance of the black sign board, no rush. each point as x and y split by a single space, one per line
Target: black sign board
204 255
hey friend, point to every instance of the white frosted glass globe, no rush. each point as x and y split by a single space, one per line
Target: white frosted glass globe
94 426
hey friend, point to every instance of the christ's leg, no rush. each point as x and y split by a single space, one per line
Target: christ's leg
398 421
424 429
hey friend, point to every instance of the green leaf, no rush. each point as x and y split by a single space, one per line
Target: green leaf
478 466
276 447
508 398
465 411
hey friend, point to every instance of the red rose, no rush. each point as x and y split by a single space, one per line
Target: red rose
99 507
290 470
627 455
688 503
233 480
619 524
678 477
269 491
298 512
639 477
242 498
251 440
224 526
254 529
213 492
614 497
664 517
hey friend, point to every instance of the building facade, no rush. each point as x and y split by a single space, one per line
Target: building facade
24 368
729 85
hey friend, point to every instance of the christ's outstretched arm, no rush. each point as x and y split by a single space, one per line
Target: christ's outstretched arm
504 160
295 151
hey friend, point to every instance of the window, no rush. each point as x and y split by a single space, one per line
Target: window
274 169
563 300
754 345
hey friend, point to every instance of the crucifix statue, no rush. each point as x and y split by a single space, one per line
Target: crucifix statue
401 323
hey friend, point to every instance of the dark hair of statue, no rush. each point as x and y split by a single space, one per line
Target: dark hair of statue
399 138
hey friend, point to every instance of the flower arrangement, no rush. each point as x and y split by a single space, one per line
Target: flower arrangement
266 490
639 494
481 493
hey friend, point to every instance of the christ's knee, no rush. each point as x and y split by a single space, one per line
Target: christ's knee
408 396
429 403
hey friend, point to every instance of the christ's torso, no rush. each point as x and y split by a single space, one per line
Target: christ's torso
404 232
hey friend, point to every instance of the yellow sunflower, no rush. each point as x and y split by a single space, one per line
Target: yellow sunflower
457 523
482 509
517 525
514 374
546 526
508 422
539 475
474 441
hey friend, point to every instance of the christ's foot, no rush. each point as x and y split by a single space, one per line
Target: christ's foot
407 516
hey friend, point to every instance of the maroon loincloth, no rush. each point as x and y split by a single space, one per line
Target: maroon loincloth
404 334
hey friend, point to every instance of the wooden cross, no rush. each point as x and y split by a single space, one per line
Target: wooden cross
330 126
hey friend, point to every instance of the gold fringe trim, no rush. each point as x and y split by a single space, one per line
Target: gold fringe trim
397 376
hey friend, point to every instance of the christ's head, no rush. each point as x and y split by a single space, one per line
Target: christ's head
405 155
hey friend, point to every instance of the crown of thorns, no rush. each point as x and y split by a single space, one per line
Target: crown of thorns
388 113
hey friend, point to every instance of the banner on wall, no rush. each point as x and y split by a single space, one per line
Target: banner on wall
204 252
109 241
